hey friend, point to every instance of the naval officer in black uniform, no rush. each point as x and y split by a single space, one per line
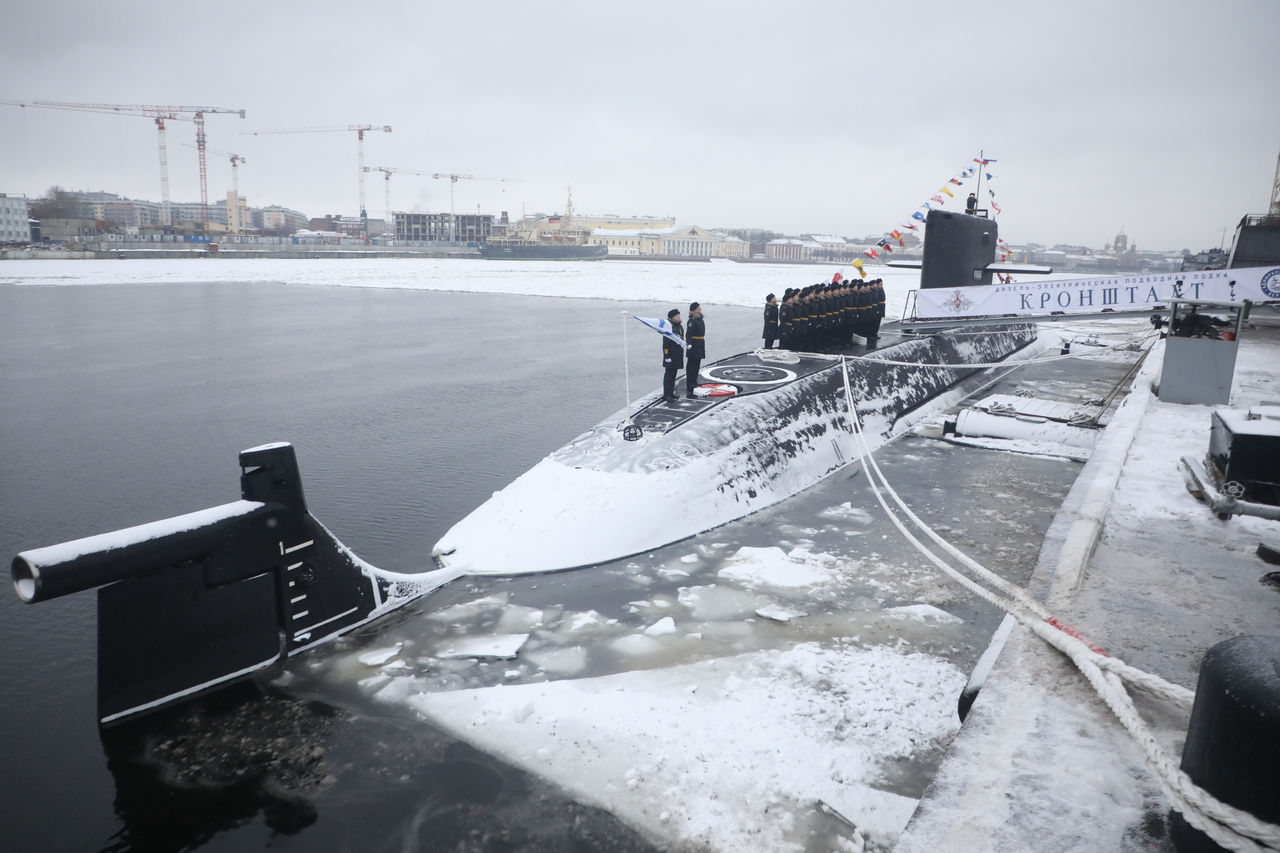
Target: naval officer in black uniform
672 356
770 321
697 347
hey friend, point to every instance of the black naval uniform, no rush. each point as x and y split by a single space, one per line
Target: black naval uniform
770 325
672 361
876 310
697 351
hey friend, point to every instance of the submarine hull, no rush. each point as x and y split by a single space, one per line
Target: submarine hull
703 462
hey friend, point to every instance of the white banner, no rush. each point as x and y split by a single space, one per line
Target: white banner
1134 292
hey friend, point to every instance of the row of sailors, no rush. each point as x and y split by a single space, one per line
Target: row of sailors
824 317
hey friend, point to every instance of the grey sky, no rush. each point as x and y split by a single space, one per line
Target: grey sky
806 116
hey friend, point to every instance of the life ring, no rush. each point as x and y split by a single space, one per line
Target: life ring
715 390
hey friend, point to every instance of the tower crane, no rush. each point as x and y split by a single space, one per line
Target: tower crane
236 160
453 179
159 114
358 129
387 171
1275 191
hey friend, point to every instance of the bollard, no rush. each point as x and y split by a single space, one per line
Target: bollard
1233 740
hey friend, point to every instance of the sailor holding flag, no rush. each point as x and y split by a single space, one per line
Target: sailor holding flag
673 347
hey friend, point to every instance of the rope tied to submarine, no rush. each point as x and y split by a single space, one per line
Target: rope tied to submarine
1228 826
1126 344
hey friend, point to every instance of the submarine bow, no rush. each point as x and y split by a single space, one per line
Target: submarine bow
603 497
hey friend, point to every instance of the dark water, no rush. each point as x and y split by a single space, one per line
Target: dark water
121 404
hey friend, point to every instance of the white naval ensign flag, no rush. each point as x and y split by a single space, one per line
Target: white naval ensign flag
662 327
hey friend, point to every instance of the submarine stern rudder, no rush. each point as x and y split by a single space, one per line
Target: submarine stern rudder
198 601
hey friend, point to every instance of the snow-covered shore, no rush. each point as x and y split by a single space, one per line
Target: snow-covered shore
718 282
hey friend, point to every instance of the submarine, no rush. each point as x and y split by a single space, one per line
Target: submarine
667 471
194 603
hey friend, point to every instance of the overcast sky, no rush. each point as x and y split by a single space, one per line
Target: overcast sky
804 116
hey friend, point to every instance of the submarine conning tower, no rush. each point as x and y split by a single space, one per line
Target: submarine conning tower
958 247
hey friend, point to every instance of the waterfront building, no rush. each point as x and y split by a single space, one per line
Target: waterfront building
620 241
61 229
189 215
443 227
15 222
691 241
116 212
281 219
346 226
237 213
785 249
830 247
731 246
610 222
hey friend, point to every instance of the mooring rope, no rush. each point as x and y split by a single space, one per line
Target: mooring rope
1142 339
1226 825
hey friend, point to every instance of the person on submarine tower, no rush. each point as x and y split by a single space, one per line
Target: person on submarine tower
696 338
672 356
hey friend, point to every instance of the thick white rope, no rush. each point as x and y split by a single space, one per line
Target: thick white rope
1041 360
782 356
1228 826
793 356
1016 594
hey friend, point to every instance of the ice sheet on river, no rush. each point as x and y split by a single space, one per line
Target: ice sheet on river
732 752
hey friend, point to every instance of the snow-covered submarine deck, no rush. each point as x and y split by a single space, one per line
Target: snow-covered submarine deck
702 462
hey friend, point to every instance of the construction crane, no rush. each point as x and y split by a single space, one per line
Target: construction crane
359 129
236 160
387 171
159 114
453 180
1275 191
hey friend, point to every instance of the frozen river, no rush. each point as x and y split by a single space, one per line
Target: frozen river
712 692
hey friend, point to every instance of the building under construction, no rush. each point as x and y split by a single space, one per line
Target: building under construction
443 227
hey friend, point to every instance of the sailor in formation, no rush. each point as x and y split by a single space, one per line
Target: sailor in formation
697 340
770 321
672 356
825 317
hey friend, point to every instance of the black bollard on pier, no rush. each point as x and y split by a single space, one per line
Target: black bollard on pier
1233 741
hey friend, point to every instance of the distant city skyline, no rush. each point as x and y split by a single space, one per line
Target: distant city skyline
821 117
220 203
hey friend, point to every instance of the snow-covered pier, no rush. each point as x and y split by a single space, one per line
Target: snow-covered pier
1143 570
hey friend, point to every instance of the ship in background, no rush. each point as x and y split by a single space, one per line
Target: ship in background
1257 239
559 241
1256 244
